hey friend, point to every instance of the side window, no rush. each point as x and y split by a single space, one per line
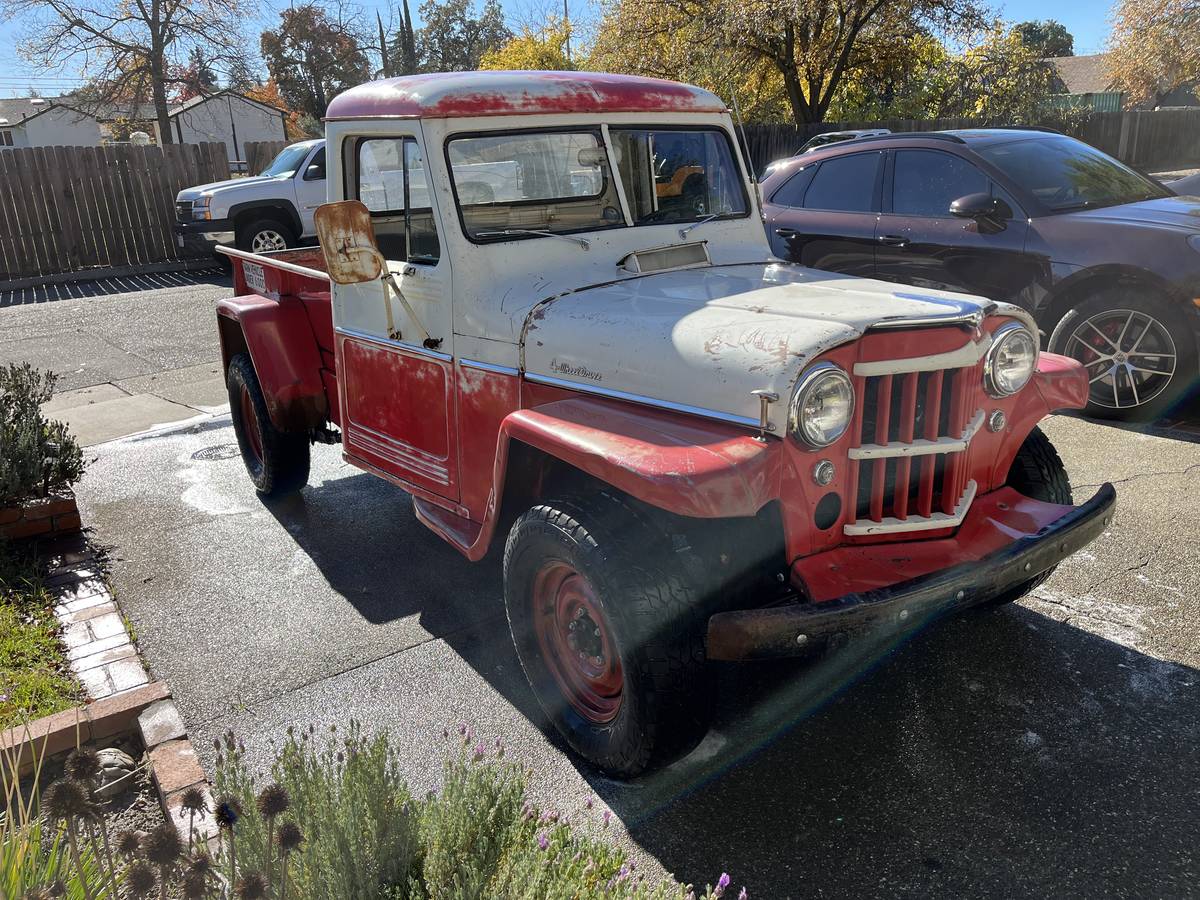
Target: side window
389 177
316 167
792 192
926 182
845 184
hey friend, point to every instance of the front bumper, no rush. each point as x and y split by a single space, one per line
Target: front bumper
203 235
797 628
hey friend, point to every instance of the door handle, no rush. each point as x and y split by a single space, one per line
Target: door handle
893 240
786 232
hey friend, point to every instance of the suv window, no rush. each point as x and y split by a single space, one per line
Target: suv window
792 192
388 176
845 184
926 182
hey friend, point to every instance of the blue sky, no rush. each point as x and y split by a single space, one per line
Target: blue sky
1087 20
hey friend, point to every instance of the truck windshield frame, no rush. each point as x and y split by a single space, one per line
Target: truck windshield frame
676 199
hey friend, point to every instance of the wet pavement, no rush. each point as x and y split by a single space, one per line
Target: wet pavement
1045 748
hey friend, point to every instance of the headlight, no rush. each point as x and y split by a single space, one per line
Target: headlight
200 208
822 405
1010 361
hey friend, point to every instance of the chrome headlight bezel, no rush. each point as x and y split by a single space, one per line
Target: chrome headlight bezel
1007 332
811 380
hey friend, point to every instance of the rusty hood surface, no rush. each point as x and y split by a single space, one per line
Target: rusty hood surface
703 339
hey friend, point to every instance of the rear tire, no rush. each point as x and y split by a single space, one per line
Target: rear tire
1118 332
276 461
265 236
1037 472
609 631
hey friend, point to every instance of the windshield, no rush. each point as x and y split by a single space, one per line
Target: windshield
1066 174
511 185
288 161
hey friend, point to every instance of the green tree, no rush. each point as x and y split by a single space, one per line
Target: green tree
542 49
455 36
240 77
312 58
998 79
198 77
1047 38
1154 47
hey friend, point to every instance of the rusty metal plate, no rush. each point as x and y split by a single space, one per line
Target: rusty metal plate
348 241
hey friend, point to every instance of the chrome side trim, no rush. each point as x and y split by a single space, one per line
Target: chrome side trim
967 355
960 313
488 367
921 447
395 345
891 525
648 401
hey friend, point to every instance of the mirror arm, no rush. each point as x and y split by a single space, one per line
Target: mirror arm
387 280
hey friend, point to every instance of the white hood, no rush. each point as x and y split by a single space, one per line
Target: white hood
705 338
233 184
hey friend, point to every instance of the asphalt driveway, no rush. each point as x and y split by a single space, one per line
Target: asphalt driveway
1046 749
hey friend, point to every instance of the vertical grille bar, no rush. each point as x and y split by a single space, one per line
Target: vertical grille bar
954 461
883 408
856 431
908 423
933 414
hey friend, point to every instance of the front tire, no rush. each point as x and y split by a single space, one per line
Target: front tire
276 461
1138 352
609 631
265 236
1037 472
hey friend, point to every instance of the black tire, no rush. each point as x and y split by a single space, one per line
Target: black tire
648 608
253 236
1112 397
277 461
1037 472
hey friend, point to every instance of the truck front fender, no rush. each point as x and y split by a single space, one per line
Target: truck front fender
286 358
673 461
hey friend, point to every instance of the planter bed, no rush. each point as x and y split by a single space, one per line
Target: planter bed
40 517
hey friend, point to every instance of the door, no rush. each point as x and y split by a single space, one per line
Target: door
920 243
311 189
397 393
825 215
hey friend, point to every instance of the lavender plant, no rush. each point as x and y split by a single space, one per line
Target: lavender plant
35 454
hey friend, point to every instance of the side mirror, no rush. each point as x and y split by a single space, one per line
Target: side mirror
314 172
975 206
347 239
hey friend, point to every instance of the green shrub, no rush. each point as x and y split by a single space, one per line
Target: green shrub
357 831
35 455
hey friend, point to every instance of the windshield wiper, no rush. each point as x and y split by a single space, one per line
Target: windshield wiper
509 232
683 232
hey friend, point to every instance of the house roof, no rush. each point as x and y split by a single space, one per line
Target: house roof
204 98
1082 74
17 110
502 93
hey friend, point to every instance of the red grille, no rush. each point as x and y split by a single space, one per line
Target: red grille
903 476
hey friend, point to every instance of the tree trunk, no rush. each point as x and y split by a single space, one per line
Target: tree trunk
158 89
801 111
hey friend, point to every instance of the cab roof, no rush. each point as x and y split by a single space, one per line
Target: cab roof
509 93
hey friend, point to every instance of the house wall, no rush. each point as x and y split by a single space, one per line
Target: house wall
230 119
57 127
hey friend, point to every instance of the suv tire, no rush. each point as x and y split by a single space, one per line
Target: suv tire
609 630
277 461
265 235
1037 472
1120 320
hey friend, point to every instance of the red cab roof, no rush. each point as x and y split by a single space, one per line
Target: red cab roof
508 93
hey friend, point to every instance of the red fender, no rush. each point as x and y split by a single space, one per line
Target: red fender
684 465
287 360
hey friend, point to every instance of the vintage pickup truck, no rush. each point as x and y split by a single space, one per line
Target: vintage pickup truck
686 449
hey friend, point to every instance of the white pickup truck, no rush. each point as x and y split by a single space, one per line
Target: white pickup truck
269 211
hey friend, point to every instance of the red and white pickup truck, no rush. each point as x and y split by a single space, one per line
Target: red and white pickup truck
686 449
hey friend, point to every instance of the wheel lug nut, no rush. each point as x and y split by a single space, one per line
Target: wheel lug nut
596 660
596 632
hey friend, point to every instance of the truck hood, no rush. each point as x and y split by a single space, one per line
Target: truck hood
703 339
226 187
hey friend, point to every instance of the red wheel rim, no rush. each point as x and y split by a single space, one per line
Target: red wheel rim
576 642
250 424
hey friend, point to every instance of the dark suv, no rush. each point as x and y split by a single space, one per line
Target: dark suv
1106 258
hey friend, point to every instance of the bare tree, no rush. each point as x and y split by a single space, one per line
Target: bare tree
131 50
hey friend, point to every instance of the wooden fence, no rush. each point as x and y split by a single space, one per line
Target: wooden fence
64 209
260 153
1157 139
